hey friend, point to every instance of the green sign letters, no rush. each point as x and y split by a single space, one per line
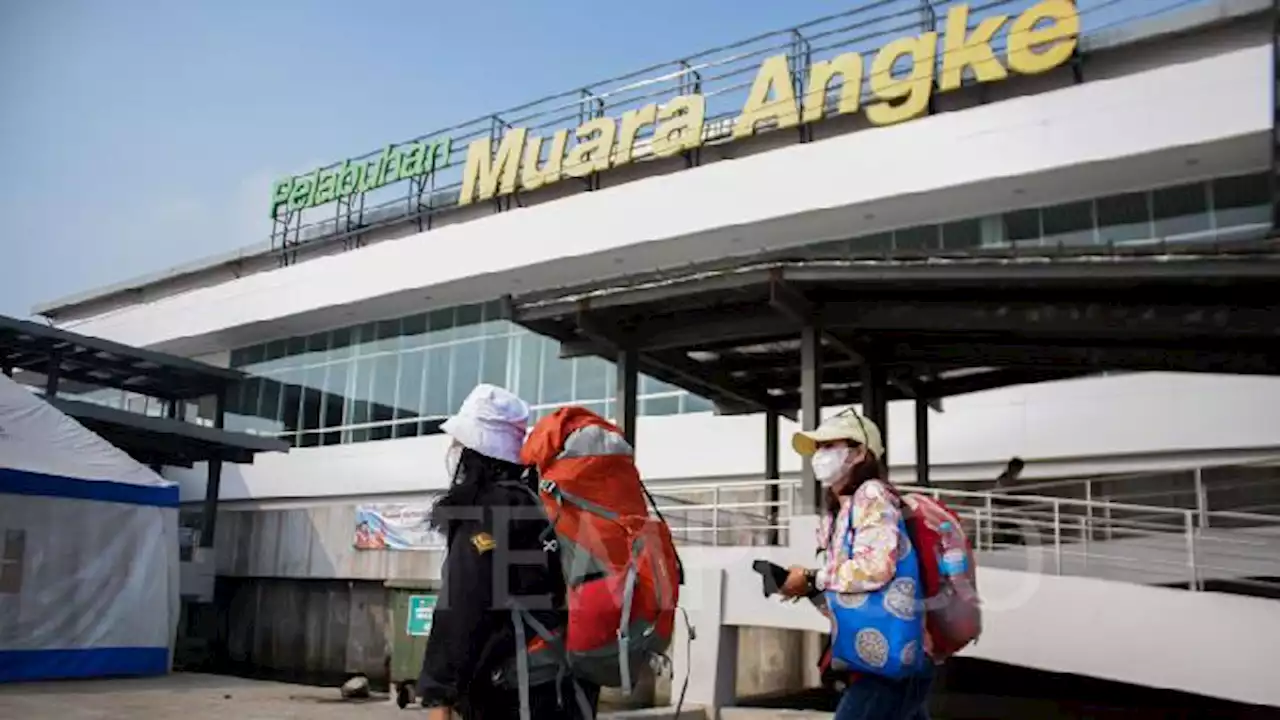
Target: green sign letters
324 185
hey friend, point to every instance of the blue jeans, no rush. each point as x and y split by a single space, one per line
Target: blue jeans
876 698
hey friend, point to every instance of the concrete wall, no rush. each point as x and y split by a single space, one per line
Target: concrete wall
1199 113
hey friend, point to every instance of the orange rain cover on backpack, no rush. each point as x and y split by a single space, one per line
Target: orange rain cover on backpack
620 563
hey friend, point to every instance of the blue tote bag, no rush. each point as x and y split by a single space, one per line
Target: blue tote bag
881 632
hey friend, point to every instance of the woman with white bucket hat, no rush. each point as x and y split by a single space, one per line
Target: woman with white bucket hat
492 520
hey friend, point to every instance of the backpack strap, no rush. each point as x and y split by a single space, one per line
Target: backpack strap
656 511
522 618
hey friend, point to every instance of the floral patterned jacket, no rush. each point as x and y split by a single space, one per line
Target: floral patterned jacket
873 513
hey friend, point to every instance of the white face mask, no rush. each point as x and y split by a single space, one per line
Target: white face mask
829 463
452 459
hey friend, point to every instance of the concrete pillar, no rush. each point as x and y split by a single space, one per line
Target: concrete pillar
810 406
922 440
772 473
627 366
710 659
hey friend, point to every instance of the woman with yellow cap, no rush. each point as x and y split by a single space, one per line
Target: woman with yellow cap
846 453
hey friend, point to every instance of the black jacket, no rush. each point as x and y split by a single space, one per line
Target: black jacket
497 551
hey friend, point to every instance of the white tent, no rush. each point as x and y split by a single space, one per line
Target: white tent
89 573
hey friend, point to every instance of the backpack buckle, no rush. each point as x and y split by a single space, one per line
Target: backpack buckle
547 486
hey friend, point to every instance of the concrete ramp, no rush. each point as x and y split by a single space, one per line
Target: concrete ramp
1213 644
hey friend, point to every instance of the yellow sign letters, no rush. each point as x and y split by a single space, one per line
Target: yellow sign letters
1039 39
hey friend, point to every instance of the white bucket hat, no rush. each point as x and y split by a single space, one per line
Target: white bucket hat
492 421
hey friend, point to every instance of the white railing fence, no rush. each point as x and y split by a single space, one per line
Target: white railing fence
1192 547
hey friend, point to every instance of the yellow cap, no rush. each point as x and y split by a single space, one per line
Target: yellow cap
846 425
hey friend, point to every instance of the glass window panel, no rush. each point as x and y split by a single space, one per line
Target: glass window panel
340 343
668 405
1241 200
437 387
962 234
364 338
383 395
358 407
557 375
1181 210
269 403
1124 218
335 400
877 244
529 367
295 347
255 354
595 407
440 325
469 319
466 372
317 348
386 336
291 397
651 386
593 379
413 333
1022 225
924 237
494 369
313 397
697 403
409 397
239 357
1069 223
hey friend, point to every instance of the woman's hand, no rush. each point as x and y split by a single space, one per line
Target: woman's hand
439 713
797 584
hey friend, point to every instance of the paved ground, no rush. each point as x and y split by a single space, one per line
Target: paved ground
187 697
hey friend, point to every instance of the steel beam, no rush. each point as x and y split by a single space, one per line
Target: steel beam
786 300
1104 321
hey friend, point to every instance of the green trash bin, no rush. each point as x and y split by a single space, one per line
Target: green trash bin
412 604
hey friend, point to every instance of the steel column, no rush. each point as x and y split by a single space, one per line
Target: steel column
213 484
922 441
771 473
810 406
627 366
875 398
52 377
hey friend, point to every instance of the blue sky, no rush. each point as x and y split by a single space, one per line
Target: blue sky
140 134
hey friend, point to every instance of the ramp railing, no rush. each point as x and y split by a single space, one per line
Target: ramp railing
1149 544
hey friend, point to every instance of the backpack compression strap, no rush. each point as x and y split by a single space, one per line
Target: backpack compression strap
521 619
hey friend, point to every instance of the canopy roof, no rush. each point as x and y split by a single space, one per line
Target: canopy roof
940 326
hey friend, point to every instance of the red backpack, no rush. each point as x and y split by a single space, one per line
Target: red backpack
621 569
953 612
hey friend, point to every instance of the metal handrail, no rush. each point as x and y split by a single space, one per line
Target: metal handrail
716 74
1090 537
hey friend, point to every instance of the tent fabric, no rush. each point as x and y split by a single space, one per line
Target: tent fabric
89 585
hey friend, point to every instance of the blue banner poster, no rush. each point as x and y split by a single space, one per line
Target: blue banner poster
396 526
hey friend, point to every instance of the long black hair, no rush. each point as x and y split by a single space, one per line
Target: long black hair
475 473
